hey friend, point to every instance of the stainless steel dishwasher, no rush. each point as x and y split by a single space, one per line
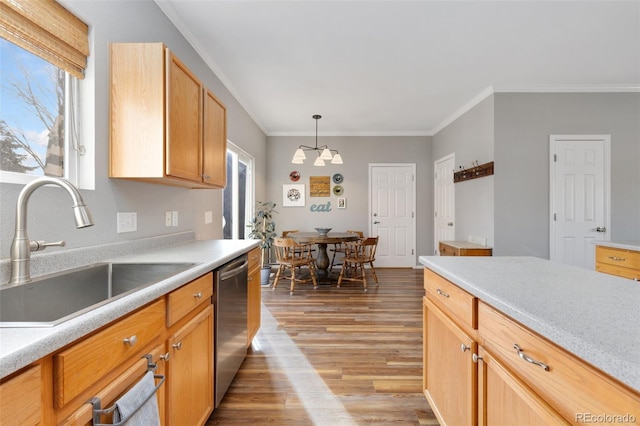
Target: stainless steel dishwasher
230 304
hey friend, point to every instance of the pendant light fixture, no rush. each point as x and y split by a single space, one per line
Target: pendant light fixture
324 152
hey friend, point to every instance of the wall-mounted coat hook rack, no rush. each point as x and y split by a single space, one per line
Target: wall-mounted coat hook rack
476 171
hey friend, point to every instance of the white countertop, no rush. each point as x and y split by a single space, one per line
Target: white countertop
626 245
23 345
592 315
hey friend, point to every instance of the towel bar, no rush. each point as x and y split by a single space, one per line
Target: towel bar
96 403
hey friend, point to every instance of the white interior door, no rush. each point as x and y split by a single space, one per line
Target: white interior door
444 201
580 197
392 190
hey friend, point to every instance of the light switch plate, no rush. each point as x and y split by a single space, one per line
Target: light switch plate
208 217
126 222
174 218
168 221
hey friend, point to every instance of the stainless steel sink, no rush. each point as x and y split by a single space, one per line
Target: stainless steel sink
55 298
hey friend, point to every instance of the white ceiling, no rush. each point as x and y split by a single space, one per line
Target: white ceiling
404 67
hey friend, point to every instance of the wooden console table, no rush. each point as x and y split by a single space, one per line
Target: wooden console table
463 248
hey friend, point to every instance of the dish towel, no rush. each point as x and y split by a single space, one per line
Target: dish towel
148 413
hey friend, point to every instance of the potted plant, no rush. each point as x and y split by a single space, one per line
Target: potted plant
263 228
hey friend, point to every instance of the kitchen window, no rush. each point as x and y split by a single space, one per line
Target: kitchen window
44 53
238 194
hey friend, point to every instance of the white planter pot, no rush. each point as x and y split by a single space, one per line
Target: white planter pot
264 276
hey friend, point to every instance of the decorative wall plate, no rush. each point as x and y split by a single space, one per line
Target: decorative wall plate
338 190
337 178
294 176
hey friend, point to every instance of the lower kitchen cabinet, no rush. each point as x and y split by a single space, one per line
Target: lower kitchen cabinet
449 374
254 295
503 399
616 261
20 401
190 375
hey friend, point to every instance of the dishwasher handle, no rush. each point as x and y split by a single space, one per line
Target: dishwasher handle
233 269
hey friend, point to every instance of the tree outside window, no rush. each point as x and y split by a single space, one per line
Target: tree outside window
32 113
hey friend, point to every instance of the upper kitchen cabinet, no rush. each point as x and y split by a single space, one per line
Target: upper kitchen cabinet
166 127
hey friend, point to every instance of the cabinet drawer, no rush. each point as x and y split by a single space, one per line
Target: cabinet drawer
188 297
254 259
447 250
618 257
619 271
451 299
569 385
77 368
20 401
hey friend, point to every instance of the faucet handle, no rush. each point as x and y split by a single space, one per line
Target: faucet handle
41 245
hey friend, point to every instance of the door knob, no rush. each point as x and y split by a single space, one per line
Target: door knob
450 224
603 229
375 222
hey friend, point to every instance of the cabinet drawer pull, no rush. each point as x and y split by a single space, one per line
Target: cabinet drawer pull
476 358
198 295
177 346
130 340
524 356
165 357
464 347
621 259
441 293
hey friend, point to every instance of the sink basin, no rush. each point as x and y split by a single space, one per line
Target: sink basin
55 298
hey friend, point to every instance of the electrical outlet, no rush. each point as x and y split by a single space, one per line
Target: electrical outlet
174 218
168 219
126 222
208 217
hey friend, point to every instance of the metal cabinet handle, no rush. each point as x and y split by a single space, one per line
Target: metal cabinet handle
621 259
130 340
441 293
476 358
524 356
177 346
198 295
464 347
165 357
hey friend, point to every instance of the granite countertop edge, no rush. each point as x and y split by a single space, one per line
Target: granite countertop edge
590 345
20 346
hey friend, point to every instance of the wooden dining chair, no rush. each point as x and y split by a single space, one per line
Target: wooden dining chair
339 248
290 254
357 255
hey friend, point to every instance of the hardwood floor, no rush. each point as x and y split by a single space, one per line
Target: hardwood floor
334 357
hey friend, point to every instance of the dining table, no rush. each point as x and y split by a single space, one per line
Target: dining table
322 240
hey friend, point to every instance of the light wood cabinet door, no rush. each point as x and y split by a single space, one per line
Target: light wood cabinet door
503 399
214 142
190 375
450 376
20 401
184 141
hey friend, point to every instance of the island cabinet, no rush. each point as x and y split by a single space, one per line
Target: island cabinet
617 261
166 127
482 367
254 296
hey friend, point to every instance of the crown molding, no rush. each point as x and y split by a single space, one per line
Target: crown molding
490 90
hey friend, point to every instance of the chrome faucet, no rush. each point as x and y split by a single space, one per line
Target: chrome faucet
21 247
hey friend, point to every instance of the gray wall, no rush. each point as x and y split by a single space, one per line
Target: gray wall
357 153
470 138
523 124
50 210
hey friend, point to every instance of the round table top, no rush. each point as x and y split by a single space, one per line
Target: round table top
330 238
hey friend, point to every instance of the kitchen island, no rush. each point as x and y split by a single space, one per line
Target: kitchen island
586 317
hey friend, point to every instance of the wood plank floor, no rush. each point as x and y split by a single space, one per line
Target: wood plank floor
334 357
